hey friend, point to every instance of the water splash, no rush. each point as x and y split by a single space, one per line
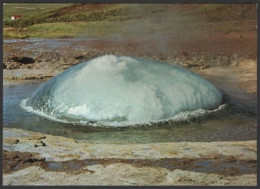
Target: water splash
119 90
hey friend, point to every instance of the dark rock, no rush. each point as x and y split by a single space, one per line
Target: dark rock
43 144
43 137
30 160
23 60
80 57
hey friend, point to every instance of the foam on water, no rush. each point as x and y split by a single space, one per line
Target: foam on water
119 90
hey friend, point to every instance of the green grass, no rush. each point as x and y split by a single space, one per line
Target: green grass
46 30
68 29
51 30
98 29
29 9
77 13
91 20
15 34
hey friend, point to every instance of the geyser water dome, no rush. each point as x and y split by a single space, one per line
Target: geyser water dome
119 90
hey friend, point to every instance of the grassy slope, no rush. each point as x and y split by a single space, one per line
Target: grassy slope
104 20
29 9
90 20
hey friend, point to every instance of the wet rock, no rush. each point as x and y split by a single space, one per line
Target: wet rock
62 148
156 162
122 174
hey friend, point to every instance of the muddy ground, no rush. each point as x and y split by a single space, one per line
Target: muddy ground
38 60
35 158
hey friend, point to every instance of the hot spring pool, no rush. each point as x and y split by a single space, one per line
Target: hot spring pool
231 123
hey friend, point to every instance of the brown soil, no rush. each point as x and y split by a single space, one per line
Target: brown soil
201 53
240 43
14 160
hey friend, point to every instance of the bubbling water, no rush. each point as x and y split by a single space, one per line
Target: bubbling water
119 90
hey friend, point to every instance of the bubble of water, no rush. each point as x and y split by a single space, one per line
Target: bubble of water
120 90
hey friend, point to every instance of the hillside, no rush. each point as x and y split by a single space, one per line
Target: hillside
29 10
38 13
127 20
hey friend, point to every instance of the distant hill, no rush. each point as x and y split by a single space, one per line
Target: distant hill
78 13
44 13
29 9
103 20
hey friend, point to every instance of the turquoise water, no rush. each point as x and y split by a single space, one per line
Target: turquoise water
237 121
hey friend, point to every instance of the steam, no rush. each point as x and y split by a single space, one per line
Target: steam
150 29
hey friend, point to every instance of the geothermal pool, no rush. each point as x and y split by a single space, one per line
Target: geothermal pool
130 103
